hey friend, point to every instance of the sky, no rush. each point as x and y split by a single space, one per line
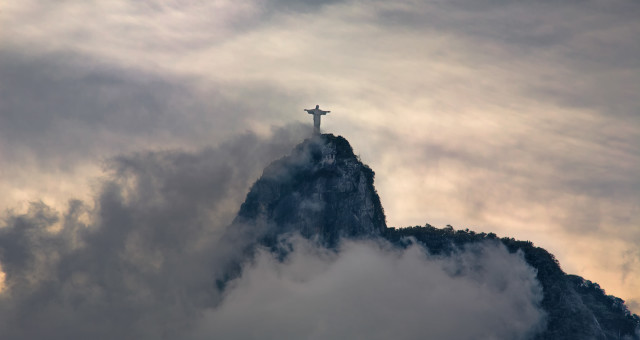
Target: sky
519 118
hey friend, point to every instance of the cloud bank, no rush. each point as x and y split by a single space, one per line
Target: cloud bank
370 291
143 259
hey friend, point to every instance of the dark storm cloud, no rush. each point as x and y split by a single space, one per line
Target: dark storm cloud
604 92
589 46
61 108
145 260
299 6
525 24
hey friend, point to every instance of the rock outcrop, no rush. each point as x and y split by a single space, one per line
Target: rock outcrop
322 190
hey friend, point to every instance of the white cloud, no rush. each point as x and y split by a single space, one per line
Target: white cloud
371 291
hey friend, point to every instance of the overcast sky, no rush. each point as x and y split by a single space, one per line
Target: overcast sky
515 117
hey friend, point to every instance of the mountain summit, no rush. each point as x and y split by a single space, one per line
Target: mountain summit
321 190
324 192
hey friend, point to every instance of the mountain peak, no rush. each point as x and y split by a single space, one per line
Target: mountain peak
321 190
324 192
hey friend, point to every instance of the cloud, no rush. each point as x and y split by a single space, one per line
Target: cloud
369 290
63 114
140 262
66 107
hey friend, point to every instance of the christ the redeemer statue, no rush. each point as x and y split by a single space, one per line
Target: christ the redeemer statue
316 118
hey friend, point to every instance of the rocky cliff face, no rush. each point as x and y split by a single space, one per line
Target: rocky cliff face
321 190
